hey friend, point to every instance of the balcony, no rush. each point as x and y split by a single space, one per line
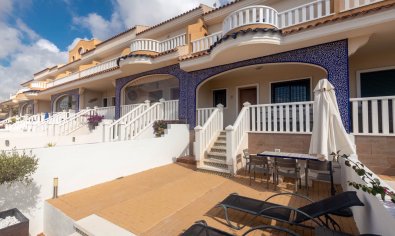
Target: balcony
38 85
102 67
154 46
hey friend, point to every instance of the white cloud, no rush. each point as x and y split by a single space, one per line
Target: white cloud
5 8
75 41
24 52
137 12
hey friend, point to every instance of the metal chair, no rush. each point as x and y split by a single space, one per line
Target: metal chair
320 168
246 156
262 166
289 168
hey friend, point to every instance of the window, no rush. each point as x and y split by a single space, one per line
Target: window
378 83
105 102
219 97
113 101
174 93
154 96
291 91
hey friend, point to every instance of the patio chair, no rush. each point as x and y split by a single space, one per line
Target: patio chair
320 168
260 165
294 216
289 168
201 228
246 156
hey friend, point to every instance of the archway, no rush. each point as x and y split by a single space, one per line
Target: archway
65 102
259 84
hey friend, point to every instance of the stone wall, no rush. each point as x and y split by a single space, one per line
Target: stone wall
377 153
297 143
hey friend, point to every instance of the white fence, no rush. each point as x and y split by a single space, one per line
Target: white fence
77 121
206 42
282 117
352 4
170 109
373 116
106 112
104 66
250 15
202 115
208 133
128 108
116 128
304 13
157 46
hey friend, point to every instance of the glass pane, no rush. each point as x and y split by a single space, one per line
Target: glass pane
219 97
378 83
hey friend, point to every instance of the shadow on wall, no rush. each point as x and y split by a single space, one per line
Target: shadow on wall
19 195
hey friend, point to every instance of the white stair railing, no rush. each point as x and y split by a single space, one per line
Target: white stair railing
207 133
294 117
107 112
116 128
77 121
203 114
143 121
125 109
373 116
54 119
236 133
170 109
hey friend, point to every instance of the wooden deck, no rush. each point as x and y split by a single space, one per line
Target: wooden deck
167 200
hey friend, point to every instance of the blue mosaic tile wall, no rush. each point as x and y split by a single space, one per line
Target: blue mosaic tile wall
331 56
74 93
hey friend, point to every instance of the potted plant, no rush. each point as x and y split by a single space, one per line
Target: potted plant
15 167
159 127
94 120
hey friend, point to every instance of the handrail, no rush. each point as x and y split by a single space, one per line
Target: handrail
74 123
115 129
206 135
371 98
144 120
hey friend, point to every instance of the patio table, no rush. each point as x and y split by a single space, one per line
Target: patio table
299 156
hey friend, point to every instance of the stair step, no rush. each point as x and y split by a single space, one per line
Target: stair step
220 143
214 170
218 149
218 154
216 164
216 160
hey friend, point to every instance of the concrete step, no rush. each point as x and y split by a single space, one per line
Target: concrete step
220 143
214 170
217 154
216 163
218 149
216 160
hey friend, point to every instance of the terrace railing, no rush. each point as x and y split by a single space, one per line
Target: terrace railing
107 112
352 4
373 116
158 46
282 117
205 43
125 109
170 109
73 123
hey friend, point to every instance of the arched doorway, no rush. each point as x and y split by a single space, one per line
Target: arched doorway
65 103
259 84
27 109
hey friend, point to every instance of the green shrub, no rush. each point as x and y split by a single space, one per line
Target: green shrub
16 167
51 145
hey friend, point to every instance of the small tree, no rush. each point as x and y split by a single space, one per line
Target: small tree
16 167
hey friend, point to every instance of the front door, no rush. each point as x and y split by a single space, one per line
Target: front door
248 94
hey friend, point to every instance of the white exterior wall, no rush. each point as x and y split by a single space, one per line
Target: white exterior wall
376 217
82 166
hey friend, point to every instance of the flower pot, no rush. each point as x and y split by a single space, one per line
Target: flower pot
19 229
92 126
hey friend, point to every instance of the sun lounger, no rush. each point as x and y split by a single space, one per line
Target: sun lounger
295 216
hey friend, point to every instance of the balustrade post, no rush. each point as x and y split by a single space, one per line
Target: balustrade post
230 155
147 103
162 108
221 115
198 145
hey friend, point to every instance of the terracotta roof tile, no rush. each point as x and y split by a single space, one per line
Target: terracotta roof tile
223 6
147 55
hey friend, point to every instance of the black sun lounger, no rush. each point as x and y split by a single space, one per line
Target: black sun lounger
201 228
294 216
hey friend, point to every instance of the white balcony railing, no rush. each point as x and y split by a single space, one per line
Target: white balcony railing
104 66
125 109
282 117
254 15
352 4
170 109
250 15
304 13
373 116
206 42
38 85
157 46
107 112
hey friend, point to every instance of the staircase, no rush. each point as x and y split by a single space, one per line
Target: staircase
215 159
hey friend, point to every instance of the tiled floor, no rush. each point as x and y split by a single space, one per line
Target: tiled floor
167 200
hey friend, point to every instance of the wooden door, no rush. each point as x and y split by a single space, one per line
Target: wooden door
247 95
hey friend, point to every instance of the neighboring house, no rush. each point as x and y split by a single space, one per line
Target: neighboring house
268 53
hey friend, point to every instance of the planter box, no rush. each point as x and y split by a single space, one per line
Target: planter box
20 229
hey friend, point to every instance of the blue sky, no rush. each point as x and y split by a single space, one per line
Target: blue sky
36 34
